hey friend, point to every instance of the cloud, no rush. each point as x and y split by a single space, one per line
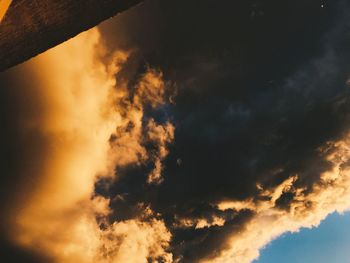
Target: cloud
86 124
178 137
257 97
330 194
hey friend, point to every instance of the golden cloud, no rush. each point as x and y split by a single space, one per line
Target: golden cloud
88 125
4 6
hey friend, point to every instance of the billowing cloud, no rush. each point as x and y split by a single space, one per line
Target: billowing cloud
170 138
260 90
87 123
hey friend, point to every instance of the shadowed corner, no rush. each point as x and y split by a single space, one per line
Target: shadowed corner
4 6
11 253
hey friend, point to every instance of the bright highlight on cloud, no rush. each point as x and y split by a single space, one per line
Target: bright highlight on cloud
90 123
307 209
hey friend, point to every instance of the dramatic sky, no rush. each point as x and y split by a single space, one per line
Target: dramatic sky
180 131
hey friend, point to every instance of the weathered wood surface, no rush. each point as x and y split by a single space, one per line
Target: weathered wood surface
31 27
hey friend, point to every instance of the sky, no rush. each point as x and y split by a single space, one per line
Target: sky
181 131
329 242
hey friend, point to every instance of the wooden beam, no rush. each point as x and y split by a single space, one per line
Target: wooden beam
31 27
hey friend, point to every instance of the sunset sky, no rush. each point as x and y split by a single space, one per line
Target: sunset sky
182 131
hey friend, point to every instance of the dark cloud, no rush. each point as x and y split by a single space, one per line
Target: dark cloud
13 254
20 157
15 104
261 86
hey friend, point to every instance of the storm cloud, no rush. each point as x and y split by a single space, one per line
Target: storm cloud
192 132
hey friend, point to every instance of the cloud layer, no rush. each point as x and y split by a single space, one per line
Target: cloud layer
165 136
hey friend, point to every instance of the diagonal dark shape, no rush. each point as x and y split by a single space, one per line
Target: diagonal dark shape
31 27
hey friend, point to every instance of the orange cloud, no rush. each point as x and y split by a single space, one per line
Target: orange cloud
88 126
4 6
